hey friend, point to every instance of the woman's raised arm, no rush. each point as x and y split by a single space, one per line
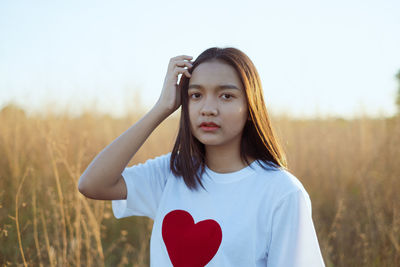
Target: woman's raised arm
102 179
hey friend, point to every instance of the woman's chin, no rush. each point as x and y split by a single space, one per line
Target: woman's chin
210 141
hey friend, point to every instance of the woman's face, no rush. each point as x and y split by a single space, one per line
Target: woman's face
216 95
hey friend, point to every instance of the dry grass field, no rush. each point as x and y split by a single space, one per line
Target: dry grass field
351 169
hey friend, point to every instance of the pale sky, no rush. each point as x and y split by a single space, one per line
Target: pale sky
331 57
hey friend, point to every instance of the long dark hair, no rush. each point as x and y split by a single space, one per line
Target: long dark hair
258 138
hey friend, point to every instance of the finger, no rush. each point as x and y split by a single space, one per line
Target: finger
184 63
174 62
179 70
181 58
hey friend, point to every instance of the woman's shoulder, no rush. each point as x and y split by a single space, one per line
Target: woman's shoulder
280 180
159 162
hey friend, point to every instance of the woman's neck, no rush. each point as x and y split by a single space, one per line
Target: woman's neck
225 160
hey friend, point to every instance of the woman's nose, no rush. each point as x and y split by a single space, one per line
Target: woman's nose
209 107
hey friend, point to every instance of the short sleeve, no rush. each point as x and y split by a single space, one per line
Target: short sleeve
145 183
294 241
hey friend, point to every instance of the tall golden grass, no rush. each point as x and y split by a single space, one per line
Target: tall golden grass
350 168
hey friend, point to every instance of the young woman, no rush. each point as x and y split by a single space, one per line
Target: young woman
223 196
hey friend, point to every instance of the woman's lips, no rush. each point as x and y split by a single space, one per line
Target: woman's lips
209 128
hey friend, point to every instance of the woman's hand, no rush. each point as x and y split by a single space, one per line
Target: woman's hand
170 99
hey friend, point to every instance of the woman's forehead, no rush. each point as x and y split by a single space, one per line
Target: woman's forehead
214 74
216 87
214 66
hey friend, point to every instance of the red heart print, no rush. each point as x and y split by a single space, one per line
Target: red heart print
189 244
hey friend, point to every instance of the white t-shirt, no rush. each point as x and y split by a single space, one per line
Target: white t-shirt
251 217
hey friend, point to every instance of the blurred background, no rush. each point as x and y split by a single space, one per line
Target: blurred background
74 75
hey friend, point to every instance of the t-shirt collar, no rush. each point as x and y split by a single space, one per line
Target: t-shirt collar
231 176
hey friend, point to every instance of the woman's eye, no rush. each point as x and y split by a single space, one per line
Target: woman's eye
227 96
198 95
194 94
